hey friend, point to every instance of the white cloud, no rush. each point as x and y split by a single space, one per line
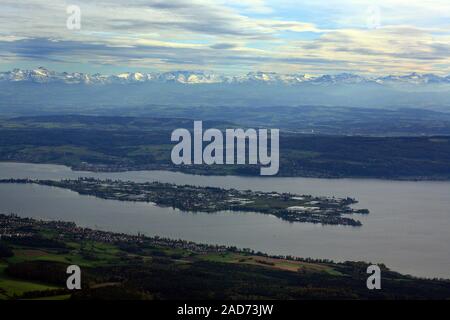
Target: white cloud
237 35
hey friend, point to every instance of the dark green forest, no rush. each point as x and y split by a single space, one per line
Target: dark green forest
128 143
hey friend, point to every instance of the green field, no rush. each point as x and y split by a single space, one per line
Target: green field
10 287
137 267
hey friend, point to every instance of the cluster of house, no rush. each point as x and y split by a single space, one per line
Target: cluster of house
11 226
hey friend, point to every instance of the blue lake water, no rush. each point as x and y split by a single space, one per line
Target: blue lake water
407 229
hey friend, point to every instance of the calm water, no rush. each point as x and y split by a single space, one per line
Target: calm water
407 229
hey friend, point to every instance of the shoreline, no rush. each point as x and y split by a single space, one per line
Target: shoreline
197 246
283 243
196 172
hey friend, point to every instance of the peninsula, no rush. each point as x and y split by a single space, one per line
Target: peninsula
286 206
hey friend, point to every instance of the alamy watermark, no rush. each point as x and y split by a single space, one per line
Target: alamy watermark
229 150
74 280
373 17
374 280
73 21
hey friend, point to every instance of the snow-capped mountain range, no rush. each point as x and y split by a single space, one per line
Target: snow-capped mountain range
42 75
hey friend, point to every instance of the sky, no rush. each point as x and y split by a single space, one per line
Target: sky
231 37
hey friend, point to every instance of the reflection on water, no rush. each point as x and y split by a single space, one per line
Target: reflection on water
407 228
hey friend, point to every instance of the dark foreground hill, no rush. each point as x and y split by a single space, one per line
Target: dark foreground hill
34 256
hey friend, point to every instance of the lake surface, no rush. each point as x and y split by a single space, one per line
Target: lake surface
408 228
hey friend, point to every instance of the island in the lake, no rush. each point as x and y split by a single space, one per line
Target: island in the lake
286 206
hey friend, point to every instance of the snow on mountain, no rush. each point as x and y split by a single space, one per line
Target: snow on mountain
42 75
415 78
347 78
190 77
131 77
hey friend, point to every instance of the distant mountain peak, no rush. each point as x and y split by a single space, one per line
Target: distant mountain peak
43 75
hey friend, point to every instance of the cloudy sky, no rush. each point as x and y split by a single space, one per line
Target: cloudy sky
231 37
